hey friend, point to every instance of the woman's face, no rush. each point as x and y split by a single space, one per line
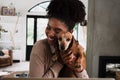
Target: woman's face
54 26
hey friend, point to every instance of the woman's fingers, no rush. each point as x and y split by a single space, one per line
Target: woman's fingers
67 59
63 55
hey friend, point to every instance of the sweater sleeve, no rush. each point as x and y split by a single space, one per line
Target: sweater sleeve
37 69
38 65
54 70
82 74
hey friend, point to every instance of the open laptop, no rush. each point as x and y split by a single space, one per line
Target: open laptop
57 79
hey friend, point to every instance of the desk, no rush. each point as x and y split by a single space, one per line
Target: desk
17 74
15 68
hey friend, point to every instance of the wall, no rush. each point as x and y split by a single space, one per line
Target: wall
103 32
21 6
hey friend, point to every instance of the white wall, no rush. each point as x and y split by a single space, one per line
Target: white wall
103 32
21 6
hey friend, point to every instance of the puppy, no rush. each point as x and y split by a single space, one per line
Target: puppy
67 42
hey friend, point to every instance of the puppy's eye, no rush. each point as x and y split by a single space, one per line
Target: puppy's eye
67 39
60 39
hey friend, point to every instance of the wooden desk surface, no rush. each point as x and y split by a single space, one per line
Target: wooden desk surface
57 79
16 68
17 74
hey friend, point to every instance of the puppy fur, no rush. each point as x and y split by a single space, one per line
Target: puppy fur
67 42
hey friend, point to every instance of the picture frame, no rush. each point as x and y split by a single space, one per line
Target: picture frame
11 12
4 10
7 11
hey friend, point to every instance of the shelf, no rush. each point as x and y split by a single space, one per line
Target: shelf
8 19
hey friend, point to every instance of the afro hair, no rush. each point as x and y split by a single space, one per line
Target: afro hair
68 11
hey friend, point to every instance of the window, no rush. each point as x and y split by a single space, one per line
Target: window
30 31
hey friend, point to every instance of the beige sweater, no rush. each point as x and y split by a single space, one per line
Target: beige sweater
41 64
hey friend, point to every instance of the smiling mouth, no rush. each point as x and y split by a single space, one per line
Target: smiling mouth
51 39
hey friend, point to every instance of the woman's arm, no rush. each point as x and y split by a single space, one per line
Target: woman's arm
39 67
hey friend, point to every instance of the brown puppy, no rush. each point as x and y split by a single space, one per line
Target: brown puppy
66 43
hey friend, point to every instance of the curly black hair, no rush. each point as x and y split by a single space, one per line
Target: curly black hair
68 11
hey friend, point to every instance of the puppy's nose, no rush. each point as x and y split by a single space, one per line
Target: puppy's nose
77 66
62 47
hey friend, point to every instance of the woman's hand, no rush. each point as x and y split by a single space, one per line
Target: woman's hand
69 59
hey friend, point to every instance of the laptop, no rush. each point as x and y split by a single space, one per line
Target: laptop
57 79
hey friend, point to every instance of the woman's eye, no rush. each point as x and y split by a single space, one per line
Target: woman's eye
57 31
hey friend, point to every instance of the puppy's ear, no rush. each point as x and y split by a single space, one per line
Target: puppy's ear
71 31
73 37
71 43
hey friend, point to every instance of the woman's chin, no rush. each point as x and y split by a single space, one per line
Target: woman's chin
51 42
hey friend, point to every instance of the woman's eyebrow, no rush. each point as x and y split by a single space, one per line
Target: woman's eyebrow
58 29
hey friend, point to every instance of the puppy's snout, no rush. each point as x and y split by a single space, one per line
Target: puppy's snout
62 47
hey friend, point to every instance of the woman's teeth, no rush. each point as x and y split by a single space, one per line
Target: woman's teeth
51 38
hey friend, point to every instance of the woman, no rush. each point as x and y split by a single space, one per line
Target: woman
63 15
